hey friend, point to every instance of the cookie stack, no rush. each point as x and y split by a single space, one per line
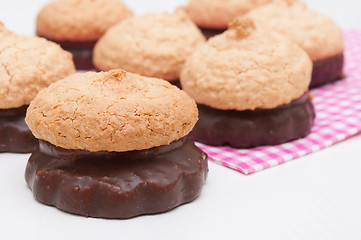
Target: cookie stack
315 33
78 24
114 145
27 65
251 87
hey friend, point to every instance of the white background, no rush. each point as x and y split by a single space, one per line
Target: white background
314 197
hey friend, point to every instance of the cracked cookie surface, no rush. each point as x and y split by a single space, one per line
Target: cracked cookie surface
246 68
218 13
111 111
79 20
28 64
155 45
314 32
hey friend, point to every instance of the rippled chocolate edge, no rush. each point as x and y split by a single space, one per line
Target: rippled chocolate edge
15 135
246 129
117 185
82 52
327 71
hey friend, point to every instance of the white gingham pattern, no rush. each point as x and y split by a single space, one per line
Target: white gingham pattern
338 117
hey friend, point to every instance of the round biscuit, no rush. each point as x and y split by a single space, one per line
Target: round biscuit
154 45
79 20
247 68
113 111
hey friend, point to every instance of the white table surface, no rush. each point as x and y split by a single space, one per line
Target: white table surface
314 197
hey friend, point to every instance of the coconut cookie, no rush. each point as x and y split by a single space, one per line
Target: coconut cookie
213 16
251 87
154 45
77 24
114 145
317 34
27 65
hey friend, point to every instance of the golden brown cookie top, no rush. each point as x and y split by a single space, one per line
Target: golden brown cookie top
246 68
218 13
111 111
28 64
79 20
154 45
317 34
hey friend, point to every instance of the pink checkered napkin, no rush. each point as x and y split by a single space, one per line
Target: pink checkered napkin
338 117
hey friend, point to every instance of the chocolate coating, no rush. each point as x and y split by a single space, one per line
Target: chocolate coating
15 136
245 129
117 185
327 71
210 32
176 83
82 52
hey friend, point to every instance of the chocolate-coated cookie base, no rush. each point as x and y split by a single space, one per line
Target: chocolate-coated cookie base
327 71
117 185
245 129
15 136
82 52
176 83
210 32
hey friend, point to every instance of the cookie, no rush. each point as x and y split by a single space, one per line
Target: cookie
317 34
27 65
248 70
77 24
133 112
213 16
155 45
114 145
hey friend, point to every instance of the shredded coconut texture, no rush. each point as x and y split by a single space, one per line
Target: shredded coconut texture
218 13
27 65
111 111
317 34
154 45
247 68
79 20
